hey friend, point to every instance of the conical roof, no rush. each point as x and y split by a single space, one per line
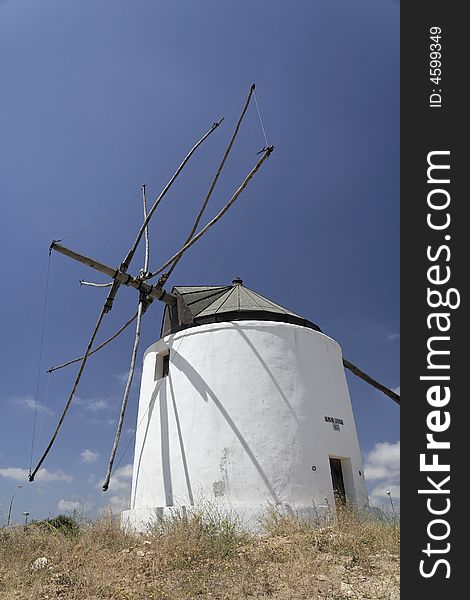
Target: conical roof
197 305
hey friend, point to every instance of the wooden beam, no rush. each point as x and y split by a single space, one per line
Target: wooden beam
371 381
214 181
72 394
102 345
126 262
180 252
117 275
130 376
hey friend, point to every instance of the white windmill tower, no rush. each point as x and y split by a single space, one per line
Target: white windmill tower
242 401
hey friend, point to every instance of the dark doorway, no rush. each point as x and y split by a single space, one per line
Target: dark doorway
338 481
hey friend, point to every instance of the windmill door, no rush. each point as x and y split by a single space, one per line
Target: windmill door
337 480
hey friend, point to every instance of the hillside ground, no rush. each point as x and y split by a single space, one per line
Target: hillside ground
202 556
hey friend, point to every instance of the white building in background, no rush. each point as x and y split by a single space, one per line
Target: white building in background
242 403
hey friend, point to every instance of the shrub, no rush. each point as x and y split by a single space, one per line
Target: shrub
63 523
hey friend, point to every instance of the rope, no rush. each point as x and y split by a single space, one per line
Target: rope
261 121
44 412
154 181
67 490
114 336
100 219
41 347
130 254
187 183
116 466
114 211
228 241
214 181
72 394
266 154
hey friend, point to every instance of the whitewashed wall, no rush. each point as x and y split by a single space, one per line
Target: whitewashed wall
240 420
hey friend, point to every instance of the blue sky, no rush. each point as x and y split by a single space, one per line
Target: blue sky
100 97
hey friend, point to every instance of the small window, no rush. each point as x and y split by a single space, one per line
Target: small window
166 365
162 365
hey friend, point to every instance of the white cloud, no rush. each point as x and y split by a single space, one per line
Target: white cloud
67 505
97 404
373 473
119 503
45 475
385 454
29 403
121 479
125 471
382 467
122 377
19 474
89 456
391 337
396 390
74 505
94 405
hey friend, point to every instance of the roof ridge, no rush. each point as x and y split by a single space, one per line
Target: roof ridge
274 303
229 293
216 294
201 287
250 293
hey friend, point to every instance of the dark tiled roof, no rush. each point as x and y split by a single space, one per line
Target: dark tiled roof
209 304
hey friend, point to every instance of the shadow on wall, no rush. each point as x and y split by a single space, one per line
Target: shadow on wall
207 394
149 419
181 441
165 441
266 368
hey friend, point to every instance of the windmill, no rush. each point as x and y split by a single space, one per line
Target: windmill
179 316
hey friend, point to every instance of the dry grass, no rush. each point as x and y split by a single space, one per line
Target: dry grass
205 555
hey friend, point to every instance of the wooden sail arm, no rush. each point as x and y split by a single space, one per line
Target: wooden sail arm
214 181
193 240
130 375
117 275
94 284
126 262
371 381
102 345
